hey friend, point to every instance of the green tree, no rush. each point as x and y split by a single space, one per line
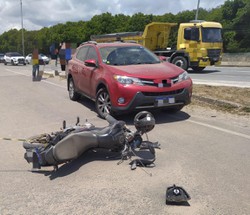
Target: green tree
234 16
138 21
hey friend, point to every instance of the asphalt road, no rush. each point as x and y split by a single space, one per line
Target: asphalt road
223 76
204 151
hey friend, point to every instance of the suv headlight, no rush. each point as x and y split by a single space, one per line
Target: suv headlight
127 80
183 76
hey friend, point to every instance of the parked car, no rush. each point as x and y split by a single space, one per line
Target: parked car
124 77
1 57
28 58
43 57
14 58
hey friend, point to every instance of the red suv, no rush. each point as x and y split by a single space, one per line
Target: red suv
122 77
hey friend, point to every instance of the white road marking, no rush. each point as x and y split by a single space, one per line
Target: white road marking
48 82
223 83
216 128
19 73
220 129
57 85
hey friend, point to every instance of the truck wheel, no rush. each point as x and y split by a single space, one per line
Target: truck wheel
73 95
180 62
197 69
103 103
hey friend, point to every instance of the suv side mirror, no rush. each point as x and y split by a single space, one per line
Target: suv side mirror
162 58
191 34
91 63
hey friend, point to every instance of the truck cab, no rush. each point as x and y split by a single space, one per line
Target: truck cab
199 44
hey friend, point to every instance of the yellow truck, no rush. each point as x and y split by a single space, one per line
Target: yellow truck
199 43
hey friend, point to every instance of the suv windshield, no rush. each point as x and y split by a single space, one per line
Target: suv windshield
211 35
127 55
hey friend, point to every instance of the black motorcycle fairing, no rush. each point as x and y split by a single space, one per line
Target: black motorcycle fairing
114 138
143 157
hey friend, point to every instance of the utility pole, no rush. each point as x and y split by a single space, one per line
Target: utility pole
22 25
197 11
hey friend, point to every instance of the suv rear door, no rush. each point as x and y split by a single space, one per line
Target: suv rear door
77 67
89 72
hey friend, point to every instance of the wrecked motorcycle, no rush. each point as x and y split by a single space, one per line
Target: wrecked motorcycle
66 145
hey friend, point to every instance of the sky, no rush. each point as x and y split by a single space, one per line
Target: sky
45 13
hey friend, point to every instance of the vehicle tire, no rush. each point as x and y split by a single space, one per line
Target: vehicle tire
180 61
197 69
103 103
73 95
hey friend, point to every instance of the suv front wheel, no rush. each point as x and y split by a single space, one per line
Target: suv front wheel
103 103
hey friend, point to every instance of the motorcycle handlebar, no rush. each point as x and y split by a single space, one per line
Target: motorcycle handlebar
110 119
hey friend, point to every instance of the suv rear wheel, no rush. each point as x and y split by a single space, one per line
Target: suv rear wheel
73 95
103 103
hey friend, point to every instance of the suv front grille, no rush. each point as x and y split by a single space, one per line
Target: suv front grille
165 83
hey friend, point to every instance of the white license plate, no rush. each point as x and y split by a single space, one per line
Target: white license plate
165 100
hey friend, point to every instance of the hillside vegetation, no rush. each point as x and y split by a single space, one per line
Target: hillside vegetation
233 15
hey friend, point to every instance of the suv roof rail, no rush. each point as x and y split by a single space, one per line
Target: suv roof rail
89 42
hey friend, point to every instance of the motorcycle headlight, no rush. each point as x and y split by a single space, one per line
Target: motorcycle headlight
183 76
127 80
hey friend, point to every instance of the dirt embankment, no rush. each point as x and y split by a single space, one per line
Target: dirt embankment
227 99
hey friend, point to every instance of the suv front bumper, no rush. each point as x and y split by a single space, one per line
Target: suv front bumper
150 101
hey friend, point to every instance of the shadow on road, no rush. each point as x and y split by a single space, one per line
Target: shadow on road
205 71
178 204
161 115
89 156
94 155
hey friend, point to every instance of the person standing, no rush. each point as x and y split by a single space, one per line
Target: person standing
35 64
